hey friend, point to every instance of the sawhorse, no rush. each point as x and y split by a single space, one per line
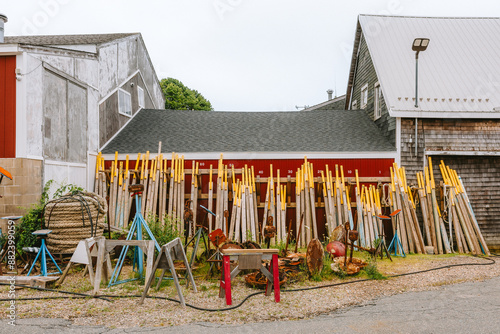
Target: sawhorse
104 247
165 260
83 254
249 259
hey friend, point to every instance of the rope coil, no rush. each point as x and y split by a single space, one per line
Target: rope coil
73 217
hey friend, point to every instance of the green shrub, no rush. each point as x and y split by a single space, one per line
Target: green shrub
31 221
163 232
373 273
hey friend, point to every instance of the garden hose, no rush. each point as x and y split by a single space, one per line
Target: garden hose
81 295
105 297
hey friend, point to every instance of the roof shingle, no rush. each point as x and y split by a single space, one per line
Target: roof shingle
212 131
66 39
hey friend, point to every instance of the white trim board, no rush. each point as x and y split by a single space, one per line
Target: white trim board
63 163
265 155
117 132
149 93
443 114
467 153
118 87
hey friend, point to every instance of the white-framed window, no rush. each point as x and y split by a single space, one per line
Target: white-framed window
354 105
364 96
124 102
377 105
140 97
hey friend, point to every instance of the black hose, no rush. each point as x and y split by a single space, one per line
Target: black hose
105 297
53 290
189 305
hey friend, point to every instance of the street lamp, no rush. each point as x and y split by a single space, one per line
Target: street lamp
419 44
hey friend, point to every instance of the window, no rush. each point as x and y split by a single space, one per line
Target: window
354 105
124 102
364 96
140 97
377 106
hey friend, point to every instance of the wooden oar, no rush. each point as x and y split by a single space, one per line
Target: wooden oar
298 234
312 197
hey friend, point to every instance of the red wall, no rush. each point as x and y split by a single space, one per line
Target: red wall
8 107
366 168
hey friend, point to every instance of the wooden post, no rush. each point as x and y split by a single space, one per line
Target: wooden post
238 224
312 196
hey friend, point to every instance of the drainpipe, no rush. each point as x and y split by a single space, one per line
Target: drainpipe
416 137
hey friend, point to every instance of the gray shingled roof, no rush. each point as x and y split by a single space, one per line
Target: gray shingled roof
213 131
65 39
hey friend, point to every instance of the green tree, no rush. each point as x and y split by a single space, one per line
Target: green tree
180 97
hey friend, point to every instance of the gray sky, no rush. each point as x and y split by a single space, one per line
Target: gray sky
242 55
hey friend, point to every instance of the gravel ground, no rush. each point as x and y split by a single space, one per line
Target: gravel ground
293 305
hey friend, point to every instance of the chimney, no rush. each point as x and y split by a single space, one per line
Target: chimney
3 19
330 93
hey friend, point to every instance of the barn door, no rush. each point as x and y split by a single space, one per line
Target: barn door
8 107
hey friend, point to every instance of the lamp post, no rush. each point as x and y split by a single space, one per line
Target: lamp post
419 44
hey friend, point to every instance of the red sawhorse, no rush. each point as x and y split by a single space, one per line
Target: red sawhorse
249 259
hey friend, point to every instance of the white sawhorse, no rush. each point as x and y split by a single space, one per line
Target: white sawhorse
165 260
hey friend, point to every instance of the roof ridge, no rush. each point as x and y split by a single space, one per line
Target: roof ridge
73 35
73 39
433 17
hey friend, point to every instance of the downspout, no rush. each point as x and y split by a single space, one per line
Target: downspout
398 139
416 137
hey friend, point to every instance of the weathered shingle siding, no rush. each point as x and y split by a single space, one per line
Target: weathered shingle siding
480 174
446 135
366 74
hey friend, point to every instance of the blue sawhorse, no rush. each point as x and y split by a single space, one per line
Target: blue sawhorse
42 234
396 243
135 229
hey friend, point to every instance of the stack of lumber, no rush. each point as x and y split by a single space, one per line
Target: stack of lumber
306 204
337 199
446 221
370 203
463 226
221 197
368 207
193 200
176 192
164 188
100 184
119 204
433 224
401 198
244 225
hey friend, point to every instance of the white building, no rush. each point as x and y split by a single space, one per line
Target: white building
62 98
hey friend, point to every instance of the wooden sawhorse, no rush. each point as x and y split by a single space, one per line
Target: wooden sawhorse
249 259
169 252
105 246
